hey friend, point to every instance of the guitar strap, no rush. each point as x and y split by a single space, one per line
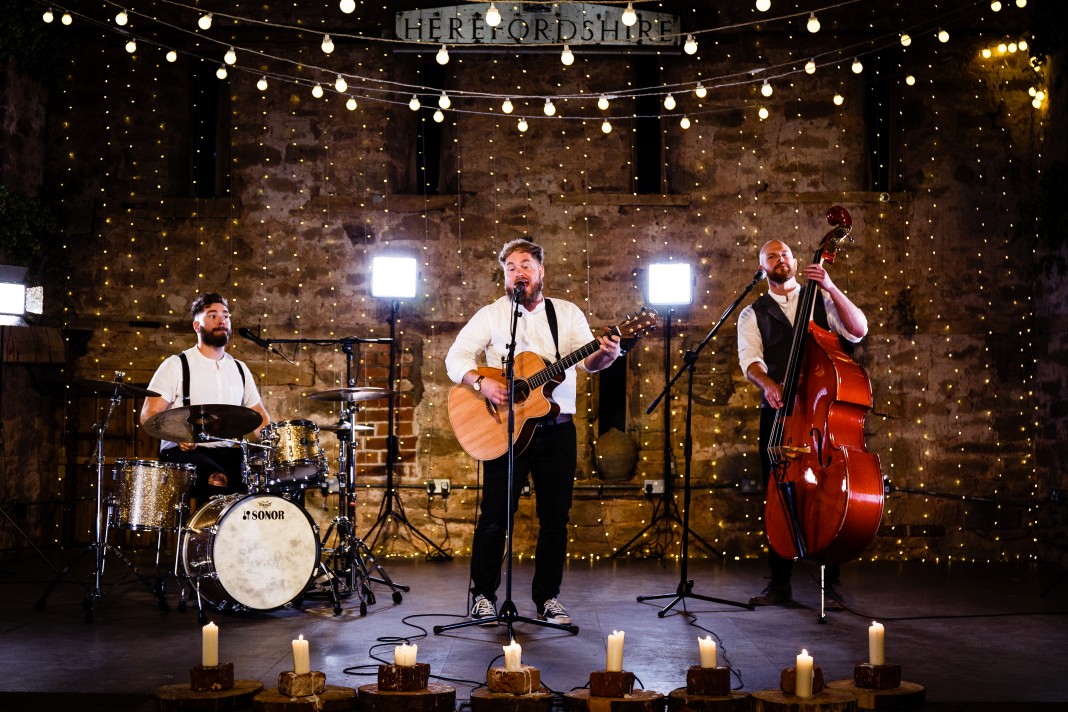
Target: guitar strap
550 314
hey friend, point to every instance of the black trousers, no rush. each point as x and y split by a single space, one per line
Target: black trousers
208 461
781 569
550 461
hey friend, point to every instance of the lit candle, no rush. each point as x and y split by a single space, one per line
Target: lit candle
804 674
876 650
301 656
404 655
708 652
210 645
614 663
513 657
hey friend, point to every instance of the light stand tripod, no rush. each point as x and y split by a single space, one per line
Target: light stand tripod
685 587
665 508
386 512
508 614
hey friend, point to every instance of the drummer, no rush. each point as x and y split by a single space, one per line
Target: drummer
202 375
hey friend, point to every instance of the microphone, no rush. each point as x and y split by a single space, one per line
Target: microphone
518 288
760 274
261 342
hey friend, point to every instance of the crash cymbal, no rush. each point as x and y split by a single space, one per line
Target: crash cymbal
349 395
117 388
344 428
184 425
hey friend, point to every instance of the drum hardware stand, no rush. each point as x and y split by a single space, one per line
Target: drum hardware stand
685 587
99 545
386 512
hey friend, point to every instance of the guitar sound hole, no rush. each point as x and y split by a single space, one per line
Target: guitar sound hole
522 391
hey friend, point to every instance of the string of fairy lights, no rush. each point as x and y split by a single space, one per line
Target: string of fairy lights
642 221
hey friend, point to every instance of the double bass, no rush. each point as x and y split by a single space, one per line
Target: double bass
825 496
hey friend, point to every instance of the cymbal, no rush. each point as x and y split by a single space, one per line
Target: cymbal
344 428
108 388
350 395
183 425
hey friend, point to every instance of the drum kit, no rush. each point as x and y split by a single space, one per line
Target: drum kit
255 550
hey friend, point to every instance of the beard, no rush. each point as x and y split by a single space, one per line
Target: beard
531 294
781 273
219 336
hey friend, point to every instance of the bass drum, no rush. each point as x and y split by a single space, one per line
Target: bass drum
253 551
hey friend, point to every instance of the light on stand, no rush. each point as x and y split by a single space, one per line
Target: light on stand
670 283
393 277
16 299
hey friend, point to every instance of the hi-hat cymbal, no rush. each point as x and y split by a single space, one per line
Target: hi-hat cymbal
113 388
184 425
344 428
349 395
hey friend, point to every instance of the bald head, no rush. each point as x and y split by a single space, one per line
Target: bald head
778 261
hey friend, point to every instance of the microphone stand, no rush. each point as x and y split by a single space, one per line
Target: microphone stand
508 614
685 587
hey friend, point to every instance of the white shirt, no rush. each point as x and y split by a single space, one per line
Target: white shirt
750 343
488 333
210 382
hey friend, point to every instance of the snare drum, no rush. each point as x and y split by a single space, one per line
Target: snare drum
295 457
254 551
149 494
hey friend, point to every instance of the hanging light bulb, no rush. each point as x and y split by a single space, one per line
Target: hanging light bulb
669 102
348 6
1003 48
66 19
910 80
629 16
493 16
691 45
438 116
839 99
763 5
230 57
699 91
341 85
602 103
172 56
906 40
606 126
317 91
986 53
943 36
549 109
522 125
813 24
221 71
121 19
996 6
857 67
1013 48
1036 102
567 56
684 122
1021 4
766 89
48 16
1023 45
262 84
763 113
131 46
444 101
204 22
810 66
442 55
350 104
506 106
328 44
414 103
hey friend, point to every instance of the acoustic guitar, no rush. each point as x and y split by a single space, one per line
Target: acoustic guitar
482 427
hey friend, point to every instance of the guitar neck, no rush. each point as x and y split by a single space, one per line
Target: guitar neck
550 372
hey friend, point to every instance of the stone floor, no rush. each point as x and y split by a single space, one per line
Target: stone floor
977 636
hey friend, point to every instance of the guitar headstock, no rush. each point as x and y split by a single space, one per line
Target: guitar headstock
842 221
636 325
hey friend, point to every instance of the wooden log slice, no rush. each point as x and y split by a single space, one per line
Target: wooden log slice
906 696
637 701
826 701
331 699
681 700
483 700
182 698
435 698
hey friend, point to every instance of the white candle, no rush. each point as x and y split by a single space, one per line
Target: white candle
708 652
876 649
301 656
614 662
404 655
804 670
209 644
513 657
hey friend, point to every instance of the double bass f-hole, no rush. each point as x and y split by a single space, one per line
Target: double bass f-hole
817 436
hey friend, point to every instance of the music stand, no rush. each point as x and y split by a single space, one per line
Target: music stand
685 587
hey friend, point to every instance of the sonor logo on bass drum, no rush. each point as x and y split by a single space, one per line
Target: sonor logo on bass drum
264 515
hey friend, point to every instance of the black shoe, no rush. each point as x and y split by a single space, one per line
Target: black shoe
773 595
483 610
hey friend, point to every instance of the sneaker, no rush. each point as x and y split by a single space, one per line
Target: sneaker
833 600
773 595
554 612
483 610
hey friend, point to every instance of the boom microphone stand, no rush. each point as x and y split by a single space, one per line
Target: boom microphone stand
508 614
685 587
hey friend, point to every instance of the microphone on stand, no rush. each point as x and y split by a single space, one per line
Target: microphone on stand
261 342
760 274
517 289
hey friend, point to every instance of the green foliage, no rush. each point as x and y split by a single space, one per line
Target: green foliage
34 46
28 226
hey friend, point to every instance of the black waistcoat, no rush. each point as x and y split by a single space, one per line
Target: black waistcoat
776 332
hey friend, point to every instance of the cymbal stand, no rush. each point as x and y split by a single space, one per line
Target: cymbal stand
99 546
